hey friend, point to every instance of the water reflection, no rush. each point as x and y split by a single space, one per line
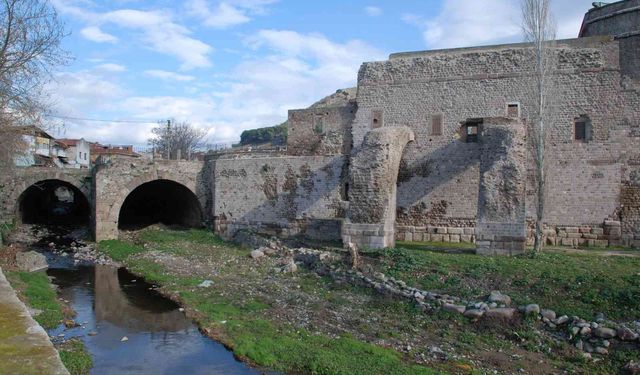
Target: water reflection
161 340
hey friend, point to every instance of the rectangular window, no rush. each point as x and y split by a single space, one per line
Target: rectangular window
436 124
580 131
513 110
472 133
376 119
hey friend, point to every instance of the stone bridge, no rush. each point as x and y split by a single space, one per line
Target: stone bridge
117 193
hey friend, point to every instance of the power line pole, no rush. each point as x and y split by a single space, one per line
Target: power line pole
169 139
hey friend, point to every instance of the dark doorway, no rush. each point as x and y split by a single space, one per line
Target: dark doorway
53 202
160 201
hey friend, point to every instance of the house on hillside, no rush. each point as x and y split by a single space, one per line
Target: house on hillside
78 152
35 149
98 149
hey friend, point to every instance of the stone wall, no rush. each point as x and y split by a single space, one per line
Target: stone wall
285 196
320 130
20 179
116 178
439 176
372 188
501 228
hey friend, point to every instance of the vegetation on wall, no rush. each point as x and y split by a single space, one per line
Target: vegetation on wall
276 135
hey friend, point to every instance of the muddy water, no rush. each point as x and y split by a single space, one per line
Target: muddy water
112 304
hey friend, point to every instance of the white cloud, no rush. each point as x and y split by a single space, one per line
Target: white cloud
226 13
112 68
94 34
373 11
168 76
464 23
156 30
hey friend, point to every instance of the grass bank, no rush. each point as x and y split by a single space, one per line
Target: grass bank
243 323
572 284
304 323
36 291
75 357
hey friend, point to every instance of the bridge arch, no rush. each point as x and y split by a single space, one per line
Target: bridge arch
130 196
160 201
32 189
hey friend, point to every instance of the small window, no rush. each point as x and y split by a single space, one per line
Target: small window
376 119
436 124
582 129
513 110
471 132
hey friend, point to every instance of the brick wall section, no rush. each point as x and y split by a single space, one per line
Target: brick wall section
320 131
440 183
284 196
20 179
372 188
501 228
117 178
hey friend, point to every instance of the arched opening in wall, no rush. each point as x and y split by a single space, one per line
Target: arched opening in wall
160 202
53 202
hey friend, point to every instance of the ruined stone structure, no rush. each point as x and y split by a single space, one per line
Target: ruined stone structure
431 146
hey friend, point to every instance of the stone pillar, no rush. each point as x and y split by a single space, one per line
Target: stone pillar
501 227
373 174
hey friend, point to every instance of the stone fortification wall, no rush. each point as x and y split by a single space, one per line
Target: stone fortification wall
439 175
320 130
284 196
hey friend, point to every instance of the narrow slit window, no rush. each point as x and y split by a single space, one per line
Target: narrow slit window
436 124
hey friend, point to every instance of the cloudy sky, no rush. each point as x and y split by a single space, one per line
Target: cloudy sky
226 66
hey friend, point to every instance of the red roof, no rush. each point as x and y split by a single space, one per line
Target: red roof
68 142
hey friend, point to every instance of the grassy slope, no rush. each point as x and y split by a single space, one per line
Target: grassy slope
573 284
238 324
245 320
35 289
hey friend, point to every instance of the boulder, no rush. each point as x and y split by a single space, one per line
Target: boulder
605 333
474 314
290 267
31 261
257 254
499 298
505 313
625 334
453 308
532 309
549 314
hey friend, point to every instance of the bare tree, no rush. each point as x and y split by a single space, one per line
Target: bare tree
539 29
30 37
176 140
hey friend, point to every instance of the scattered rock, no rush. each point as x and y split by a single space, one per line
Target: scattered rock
506 313
257 254
92 333
625 334
453 308
602 351
474 313
599 317
125 338
562 320
631 368
290 267
70 323
605 333
549 314
30 261
532 309
497 297
205 284
585 331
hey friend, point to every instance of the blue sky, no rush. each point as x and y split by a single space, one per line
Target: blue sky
226 66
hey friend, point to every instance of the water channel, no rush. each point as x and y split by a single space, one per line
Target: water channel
128 327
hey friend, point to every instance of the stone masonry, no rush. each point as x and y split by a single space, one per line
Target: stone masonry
501 228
